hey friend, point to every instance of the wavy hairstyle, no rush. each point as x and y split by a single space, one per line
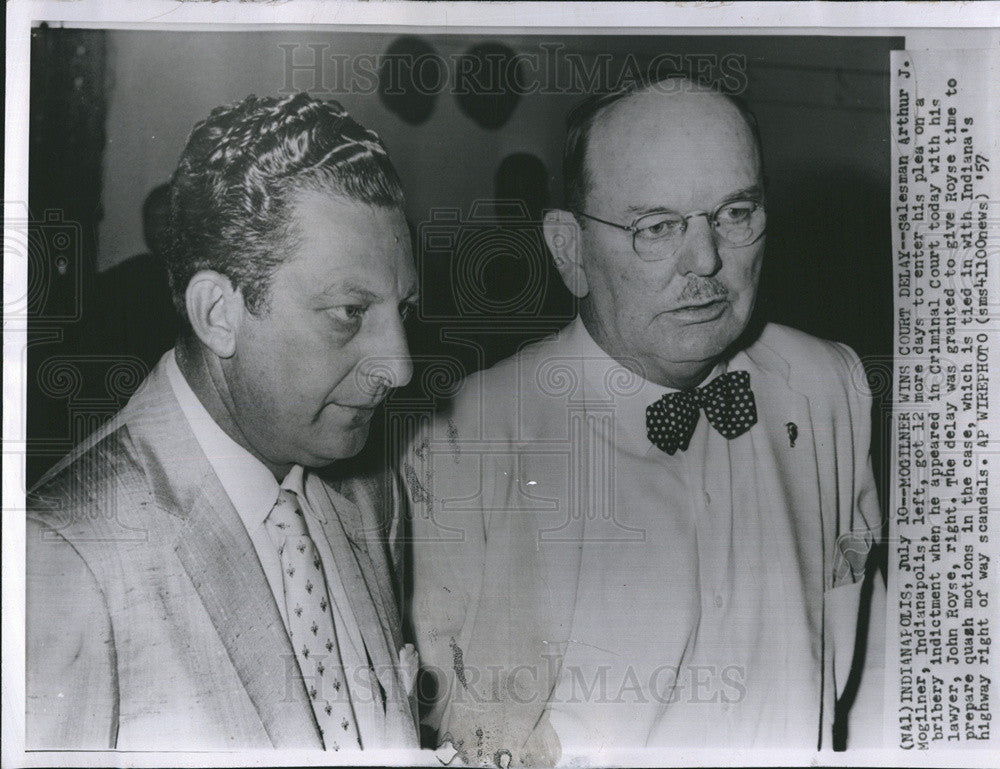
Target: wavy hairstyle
231 194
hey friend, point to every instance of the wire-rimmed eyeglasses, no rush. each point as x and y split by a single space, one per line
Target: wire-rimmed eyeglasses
657 235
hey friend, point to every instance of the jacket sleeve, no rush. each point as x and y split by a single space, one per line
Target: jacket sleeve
471 534
448 551
71 680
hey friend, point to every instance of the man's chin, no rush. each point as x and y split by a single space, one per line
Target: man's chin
703 344
352 443
348 443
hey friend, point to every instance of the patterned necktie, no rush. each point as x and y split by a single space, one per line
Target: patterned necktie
310 625
728 402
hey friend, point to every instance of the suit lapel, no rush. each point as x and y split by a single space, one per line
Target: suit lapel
217 555
222 564
789 438
787 432
783 452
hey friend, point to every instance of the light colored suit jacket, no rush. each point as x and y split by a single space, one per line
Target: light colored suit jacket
150 622
496 556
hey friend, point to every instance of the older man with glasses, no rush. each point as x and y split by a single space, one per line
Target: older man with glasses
654 528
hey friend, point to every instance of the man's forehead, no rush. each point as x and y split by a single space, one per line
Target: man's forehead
367 280
701 118
375 278
651 143
343 244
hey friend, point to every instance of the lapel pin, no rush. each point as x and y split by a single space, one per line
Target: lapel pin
793 433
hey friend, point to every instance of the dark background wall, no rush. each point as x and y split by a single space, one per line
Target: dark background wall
111 111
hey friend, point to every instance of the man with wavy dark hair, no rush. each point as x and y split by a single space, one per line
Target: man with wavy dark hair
209 570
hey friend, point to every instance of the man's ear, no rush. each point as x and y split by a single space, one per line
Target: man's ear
562 235
215 309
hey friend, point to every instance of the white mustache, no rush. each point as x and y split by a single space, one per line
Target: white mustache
705 290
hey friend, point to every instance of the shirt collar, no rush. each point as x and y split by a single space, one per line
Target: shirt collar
250 486
295 481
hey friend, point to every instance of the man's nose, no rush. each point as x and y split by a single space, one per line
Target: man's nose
698 254
389 363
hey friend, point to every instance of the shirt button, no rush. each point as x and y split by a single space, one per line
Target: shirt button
718 601
707 498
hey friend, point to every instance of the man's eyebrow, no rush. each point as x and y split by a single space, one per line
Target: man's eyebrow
339 288
754 192
356 290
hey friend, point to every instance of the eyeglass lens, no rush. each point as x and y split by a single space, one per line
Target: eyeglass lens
736 224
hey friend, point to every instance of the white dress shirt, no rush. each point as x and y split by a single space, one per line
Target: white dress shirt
690 630
253 490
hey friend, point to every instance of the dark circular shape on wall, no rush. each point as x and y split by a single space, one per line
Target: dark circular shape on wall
410 78
524 177
489 81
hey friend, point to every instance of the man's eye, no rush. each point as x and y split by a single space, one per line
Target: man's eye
735 213
348 313
659 228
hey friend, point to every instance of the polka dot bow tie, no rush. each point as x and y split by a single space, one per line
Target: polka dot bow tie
728 402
